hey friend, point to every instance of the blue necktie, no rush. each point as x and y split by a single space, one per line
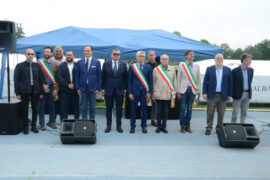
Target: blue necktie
87 63
115 69
141 66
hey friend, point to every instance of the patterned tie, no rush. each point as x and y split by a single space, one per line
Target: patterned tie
115 68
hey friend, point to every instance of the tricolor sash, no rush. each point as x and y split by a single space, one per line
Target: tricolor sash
140 75
169 82
49 73
190 76
47 70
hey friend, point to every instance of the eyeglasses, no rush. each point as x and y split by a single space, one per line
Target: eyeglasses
116 54
30 54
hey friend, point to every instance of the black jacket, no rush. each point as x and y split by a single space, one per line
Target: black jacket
22 78
238 82
63 77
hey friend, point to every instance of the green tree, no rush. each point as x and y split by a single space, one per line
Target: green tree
237 53
264 49
19 31
177 33
205 41
228 52
252 50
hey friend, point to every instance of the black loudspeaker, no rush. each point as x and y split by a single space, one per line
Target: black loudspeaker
7 37
238 135
10 117
78 131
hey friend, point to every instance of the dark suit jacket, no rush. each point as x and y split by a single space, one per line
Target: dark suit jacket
64 77
22 78
111 82
93 75
134 83
210 82
238 82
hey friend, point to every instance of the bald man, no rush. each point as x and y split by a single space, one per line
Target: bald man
217 89
59 55
28 83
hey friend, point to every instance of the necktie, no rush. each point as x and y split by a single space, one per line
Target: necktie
141 66
87 63
115 69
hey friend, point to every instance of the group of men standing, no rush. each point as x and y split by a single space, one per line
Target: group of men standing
142 82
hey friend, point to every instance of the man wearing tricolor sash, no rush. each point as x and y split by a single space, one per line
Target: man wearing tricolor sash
188 86
139 89
50 86
164 93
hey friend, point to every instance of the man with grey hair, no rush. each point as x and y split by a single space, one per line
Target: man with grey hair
217 89
242 78
153 64
139 89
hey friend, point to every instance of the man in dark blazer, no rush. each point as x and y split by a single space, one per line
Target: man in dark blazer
114 85
28 80
88 81
242 78
139 91
217 89
66 74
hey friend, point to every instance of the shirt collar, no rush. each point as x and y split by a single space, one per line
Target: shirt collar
90 58
243 68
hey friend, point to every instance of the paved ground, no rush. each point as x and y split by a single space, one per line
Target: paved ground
138 156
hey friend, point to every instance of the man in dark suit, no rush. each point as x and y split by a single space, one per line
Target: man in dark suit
217 89
114 85
88 81
140 86
28 86
66 78
242 78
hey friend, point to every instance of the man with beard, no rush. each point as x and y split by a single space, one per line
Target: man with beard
28 80
50 86
66 77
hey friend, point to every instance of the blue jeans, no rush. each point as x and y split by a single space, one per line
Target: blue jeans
68 98
51 104
88 98
186 102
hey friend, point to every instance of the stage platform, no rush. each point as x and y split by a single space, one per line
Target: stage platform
138 156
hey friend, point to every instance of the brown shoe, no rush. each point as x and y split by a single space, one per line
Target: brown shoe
154 123
182 130
188 129
52 125
42 128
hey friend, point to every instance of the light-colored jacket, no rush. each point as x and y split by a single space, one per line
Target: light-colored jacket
161 90
182 79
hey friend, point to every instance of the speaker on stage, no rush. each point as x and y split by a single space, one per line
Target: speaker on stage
238 135
10 117
7 37
78 131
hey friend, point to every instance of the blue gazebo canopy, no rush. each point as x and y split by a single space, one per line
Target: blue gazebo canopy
128 41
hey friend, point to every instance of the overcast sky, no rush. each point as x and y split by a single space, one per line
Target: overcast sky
236 22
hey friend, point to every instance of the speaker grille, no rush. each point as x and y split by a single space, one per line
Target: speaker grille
235 132
84 128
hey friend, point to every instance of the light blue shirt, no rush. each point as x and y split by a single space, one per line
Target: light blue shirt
245 78
191 69
219 73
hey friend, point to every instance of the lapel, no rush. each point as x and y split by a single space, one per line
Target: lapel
241 74
214 74
67 70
